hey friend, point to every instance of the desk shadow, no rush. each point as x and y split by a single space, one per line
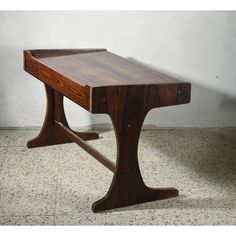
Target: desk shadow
209 153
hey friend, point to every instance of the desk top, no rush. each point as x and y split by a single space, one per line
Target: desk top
85 75
99 67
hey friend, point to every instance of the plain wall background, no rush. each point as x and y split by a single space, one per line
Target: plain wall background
195 46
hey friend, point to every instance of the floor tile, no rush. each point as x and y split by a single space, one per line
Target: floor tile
5 136
169 137
3 151
26 220
81 181
222 137
28 182
66 180
160 217
21 137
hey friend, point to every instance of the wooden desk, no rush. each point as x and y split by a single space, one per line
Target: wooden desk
102 82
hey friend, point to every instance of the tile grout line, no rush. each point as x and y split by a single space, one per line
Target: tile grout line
55 202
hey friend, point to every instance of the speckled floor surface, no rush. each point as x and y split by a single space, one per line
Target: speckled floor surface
57 185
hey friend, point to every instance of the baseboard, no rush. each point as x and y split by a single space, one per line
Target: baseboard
107 126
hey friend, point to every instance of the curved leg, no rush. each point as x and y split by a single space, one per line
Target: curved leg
49 134
127 186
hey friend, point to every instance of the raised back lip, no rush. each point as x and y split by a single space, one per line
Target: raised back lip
42 53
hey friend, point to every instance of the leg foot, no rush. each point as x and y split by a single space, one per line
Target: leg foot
148 195
47 139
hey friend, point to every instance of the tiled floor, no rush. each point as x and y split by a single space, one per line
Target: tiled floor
58 184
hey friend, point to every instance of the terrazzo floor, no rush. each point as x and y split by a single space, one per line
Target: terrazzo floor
57 185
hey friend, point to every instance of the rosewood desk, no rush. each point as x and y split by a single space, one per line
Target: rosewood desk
103 82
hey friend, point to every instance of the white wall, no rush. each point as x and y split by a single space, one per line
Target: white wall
196 46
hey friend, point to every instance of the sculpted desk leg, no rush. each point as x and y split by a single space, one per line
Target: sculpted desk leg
49 134
127 185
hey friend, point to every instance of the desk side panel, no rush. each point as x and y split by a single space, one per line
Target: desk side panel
103 99
75 92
